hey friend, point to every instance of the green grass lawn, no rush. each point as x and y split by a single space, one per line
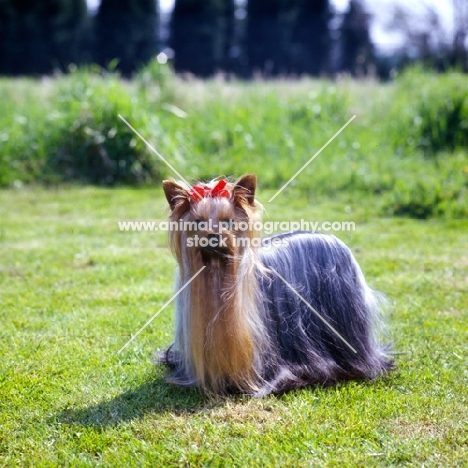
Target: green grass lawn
73 289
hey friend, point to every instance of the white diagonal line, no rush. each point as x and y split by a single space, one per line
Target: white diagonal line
314 311
312 158
161 309
153 149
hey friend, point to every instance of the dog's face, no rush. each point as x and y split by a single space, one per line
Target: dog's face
214 226
211 227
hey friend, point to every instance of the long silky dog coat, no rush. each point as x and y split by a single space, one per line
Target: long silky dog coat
264 315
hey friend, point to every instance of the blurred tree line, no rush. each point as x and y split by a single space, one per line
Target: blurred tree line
242 37
38 37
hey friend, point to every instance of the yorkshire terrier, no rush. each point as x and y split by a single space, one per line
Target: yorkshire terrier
264 315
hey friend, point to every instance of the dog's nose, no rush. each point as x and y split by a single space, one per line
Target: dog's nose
214 240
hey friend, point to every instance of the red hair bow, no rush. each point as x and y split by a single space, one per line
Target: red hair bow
197 192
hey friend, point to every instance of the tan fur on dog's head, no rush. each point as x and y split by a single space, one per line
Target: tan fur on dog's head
211 217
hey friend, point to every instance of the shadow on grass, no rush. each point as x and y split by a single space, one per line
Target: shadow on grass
155 397
158 397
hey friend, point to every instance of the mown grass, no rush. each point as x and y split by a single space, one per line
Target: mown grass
74 289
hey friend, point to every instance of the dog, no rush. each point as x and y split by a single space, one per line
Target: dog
264 315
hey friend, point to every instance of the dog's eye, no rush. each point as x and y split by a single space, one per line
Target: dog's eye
227 223
201 223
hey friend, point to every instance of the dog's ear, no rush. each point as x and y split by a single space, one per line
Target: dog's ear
244 188
175 194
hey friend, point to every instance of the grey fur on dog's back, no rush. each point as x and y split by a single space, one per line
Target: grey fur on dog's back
303 349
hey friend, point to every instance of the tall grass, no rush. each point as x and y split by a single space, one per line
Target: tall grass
408 144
